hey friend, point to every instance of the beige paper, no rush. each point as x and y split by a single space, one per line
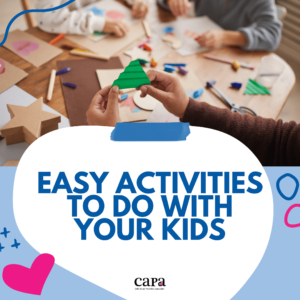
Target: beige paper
30 48
107 77
9 75
190 82
110 45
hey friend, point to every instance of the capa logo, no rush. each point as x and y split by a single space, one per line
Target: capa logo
150 282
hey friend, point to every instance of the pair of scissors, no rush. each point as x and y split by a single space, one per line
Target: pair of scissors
234 107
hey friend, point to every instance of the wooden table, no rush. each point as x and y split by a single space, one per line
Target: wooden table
37 82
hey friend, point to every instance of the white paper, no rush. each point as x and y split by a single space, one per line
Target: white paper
186 30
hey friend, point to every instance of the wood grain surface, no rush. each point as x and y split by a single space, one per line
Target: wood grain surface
37 82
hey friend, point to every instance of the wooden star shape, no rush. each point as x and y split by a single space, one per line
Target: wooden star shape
137 53
28 123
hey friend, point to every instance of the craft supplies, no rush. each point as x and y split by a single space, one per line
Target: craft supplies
67 47
228 61
133 76
182 71
146 42
51 85
198 93
137 53
236 65
124 97
88 54
153 63
147 48
236 85
57 39
169 68
147 103
176 64
142 61
255 88
63 71
72 85
147 28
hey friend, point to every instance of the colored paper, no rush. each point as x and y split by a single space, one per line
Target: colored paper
254 88
30 48
84 76
132 77
9 75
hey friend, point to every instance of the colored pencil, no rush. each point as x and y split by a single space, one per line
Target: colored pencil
51 85
228 61
88 54
63 71
58 38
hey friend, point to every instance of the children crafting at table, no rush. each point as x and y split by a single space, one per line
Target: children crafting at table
70 20
249 24
273 142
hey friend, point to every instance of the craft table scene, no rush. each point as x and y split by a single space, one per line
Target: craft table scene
52 78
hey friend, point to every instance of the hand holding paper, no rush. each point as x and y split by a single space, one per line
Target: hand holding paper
167 89
104 109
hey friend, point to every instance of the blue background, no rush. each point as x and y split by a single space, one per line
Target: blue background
276 277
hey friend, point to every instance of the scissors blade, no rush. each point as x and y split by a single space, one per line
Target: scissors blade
224 97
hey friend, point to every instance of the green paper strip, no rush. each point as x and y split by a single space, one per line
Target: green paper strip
254 88
132 77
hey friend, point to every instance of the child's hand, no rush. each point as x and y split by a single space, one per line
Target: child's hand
167 89
139 9
179 7
118 27
104 109
211 39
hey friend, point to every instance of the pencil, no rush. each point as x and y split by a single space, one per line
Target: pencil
58 38
88 54
228 61
147 28
51 85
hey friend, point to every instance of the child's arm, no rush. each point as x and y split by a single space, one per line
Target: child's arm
75 22
265 33
139 8
177 7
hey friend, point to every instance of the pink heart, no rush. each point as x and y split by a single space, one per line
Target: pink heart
115 15
2 67
29 281
24 47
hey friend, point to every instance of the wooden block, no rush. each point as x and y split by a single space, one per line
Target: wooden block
147 28
28 123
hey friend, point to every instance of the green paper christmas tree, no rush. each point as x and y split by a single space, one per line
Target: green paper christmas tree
254 88
132 77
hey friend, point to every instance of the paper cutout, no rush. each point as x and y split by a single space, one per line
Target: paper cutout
97 11
175 42
29 280
115 15
30 48
2 67
147 103
24 48
9 75
137 53
132 77
191 34
254 88
128 102
28 123
110 45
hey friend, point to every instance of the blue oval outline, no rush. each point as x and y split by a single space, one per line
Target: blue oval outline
279 190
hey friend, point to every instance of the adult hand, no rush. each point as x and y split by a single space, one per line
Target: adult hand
139 9
211 39
117 27
167 89
104 109
179 7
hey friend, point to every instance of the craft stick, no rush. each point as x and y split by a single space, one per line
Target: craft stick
147 28
51 85
270 74
58 38
228 61
146 42
88 54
